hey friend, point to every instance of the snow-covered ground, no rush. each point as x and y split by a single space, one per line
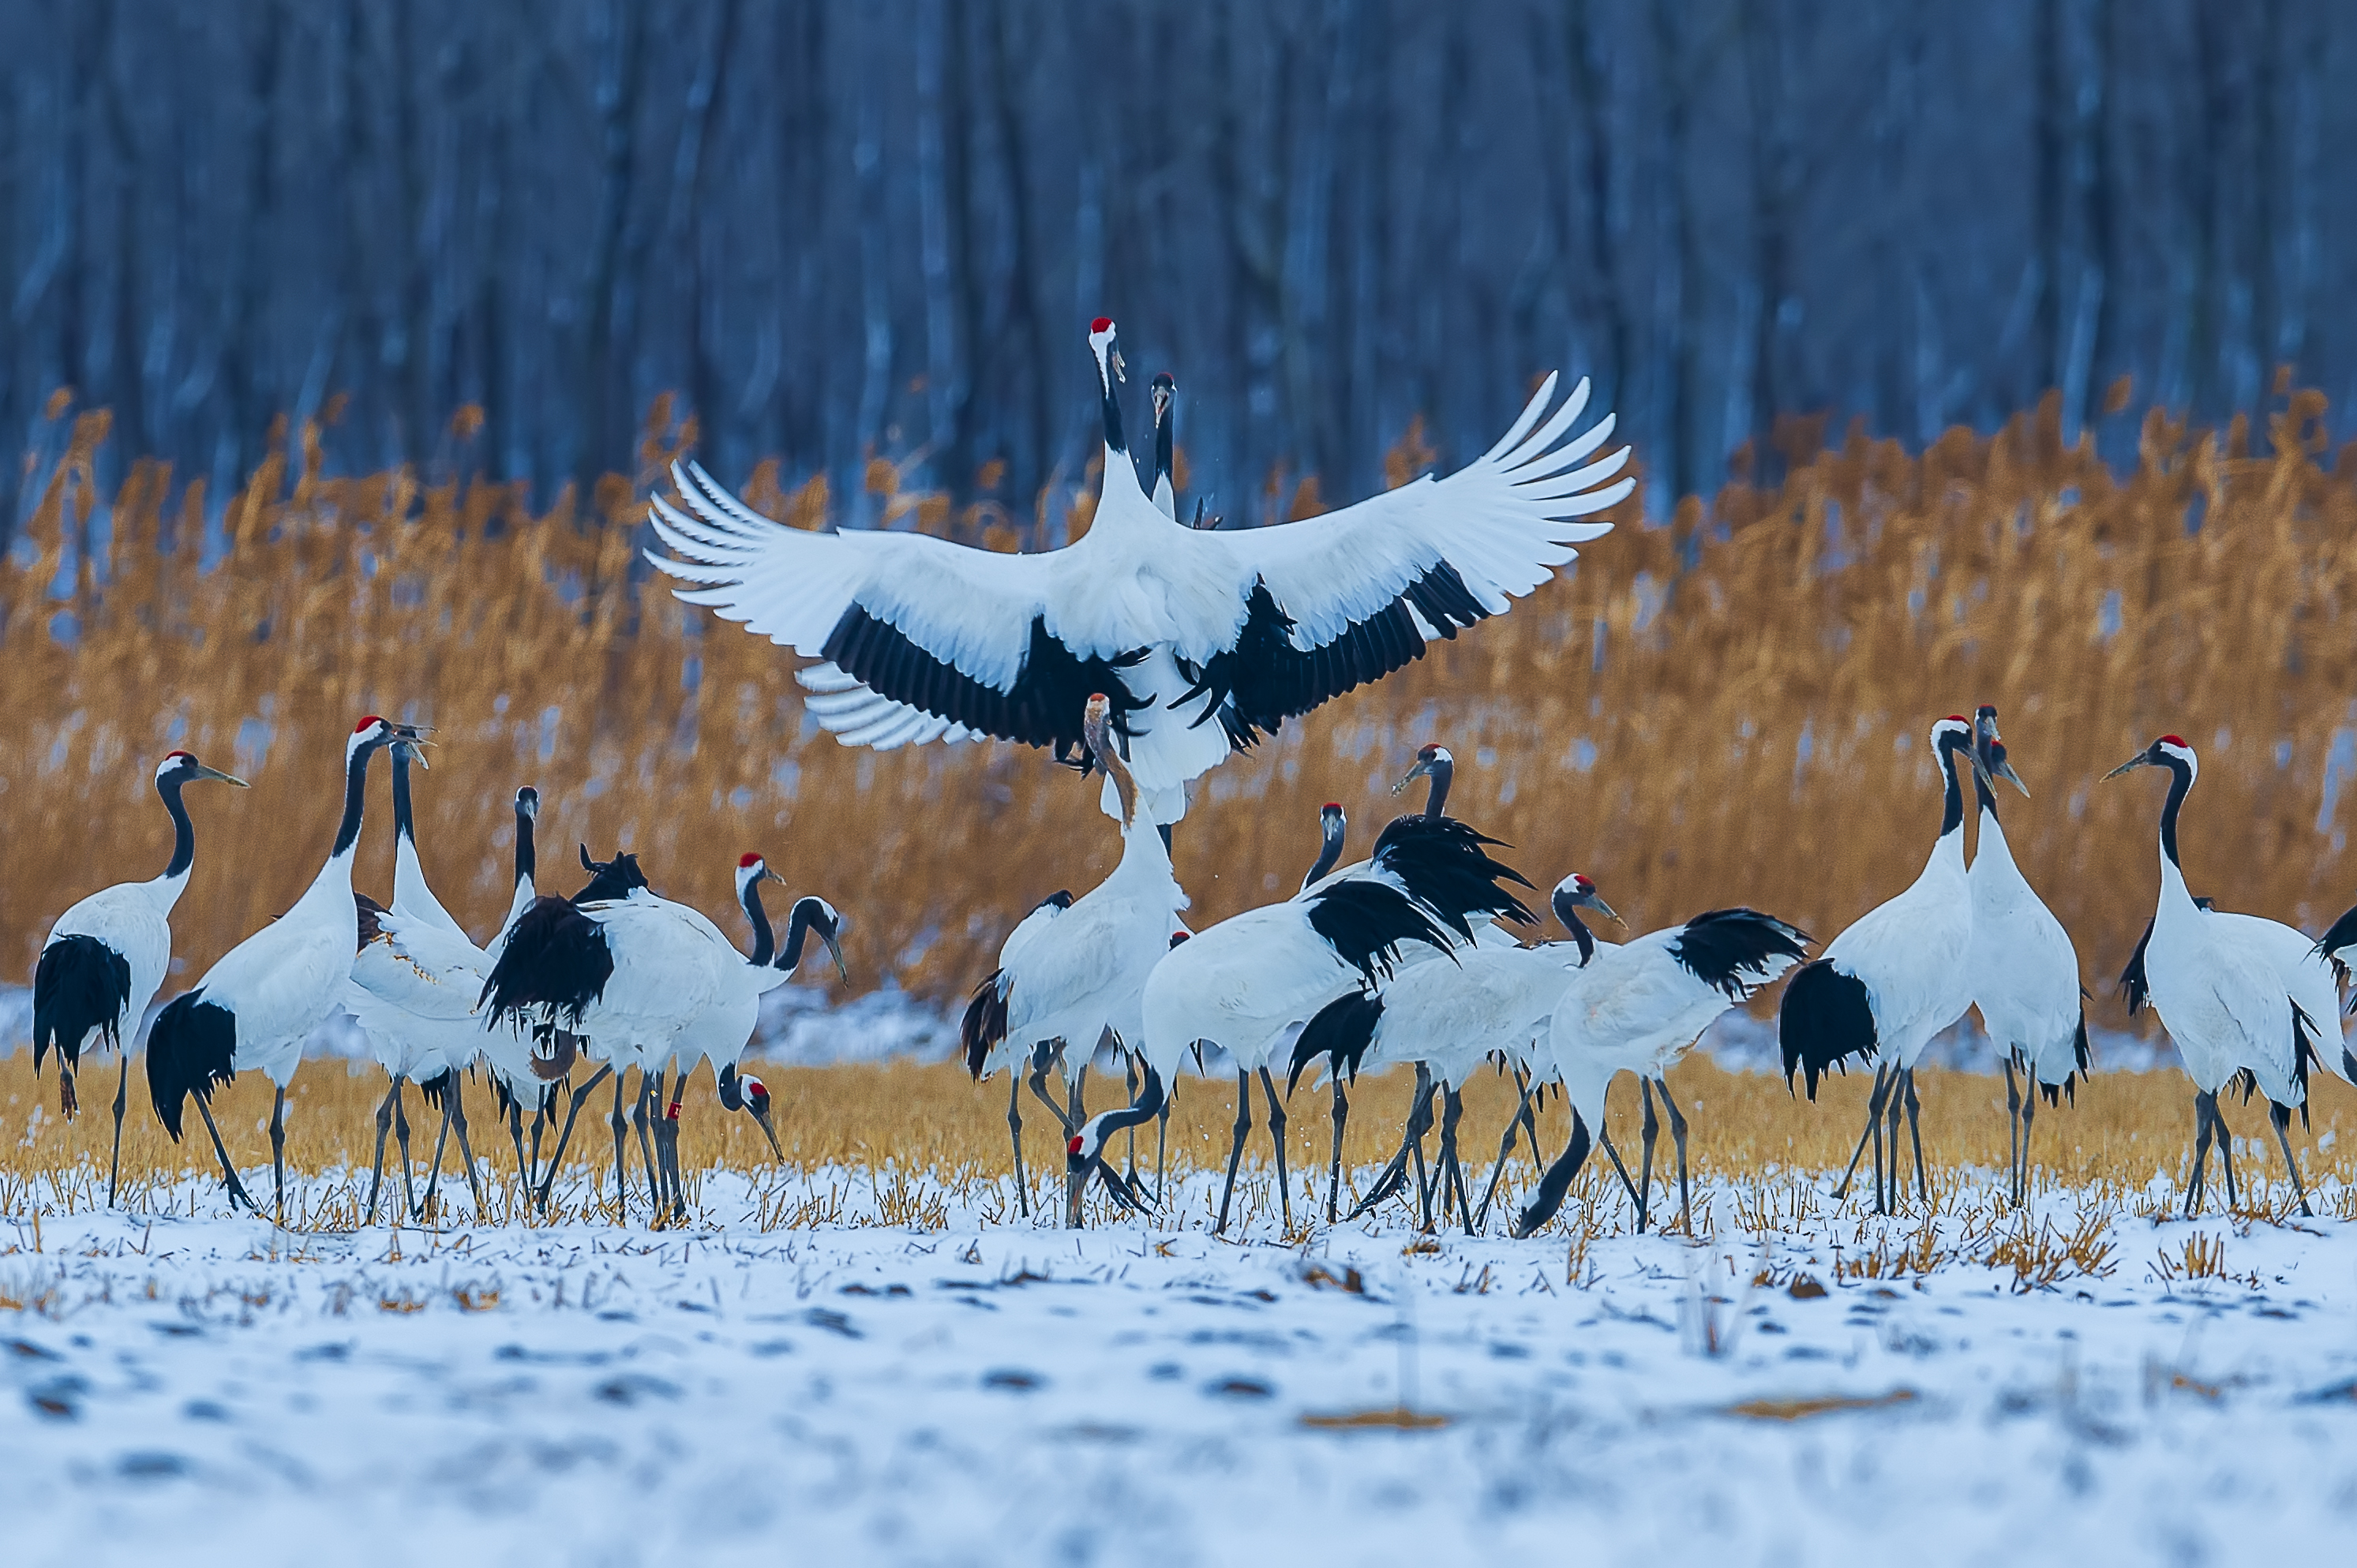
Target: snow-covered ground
201 1388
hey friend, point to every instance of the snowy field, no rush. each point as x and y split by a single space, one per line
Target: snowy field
201 1388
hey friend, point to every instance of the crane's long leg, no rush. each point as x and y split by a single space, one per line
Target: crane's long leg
539 1119
1334 1175
1650 1133
2281 1116
1678 1137
2225 1152
2013 1130
1915 1136
1162 1142
1236 1150
1886 1201
1129 1087
122 1098
1040 1061
1605 1142
1076 1116
278 1149
1015 1136
556 1157
621 1125
2203 1104
515 1135
1506 1146
1872 1122
237 1193
383 1126
1419 1122
401 1137
1276 1141
441 1142
650 1086
1452 1111
2028 1120
1394 1175
458 1104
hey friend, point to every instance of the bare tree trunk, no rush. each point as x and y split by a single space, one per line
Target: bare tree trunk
600 440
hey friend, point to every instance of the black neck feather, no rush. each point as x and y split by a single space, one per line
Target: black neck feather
402 823
764 940
1112 436
807 914
1952 812
2181 779
355 795
1569 913
1436 799
1328 853
1162 440
526 861
184 834
1986 801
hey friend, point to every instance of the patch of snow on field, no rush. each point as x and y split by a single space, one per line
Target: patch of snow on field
198 1388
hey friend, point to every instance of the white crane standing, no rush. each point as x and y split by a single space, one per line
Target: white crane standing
1076 973
1891 982
106 956
921 640
2227 1008
2025 973
1638 1008
255 1008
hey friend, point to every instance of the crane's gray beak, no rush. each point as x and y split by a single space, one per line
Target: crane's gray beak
1413 774
2005 770
2130 766
761 1118
204 772
835 951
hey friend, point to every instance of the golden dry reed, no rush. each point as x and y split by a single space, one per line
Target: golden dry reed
1728 708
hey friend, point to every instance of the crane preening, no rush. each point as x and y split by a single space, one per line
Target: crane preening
1203 640
107 954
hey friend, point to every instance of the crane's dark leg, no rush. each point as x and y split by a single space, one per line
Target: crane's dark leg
1886 1201
1678 1137
2028 1120
458 1104
1015 1135
441 1142
1419 1122
1506 1146
1041 1059
556 1157
2281 1116
122 1098
1276 1141
1915 1137
1162 1142
1129 1087
1076 1116
1395 1172
1236 1150
1649 1134
650 1086
1614 1156
1334 1175
237 1194
540 1120
1452 1111
667 1136
2013 1130
383 1126
515 1135
620 1124
278 1148
2226 1151
2203 1105
401 1137
1873 1125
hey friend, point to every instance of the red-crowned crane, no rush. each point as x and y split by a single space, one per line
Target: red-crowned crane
2232 1015
721 1032
2025 973
1638 1008
106 956
921 640
255 1008
1246 984
1447 1019
1891 982
1075 973
416 1017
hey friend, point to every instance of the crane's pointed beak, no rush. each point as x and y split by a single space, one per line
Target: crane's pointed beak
2130 766
835 951
1605 910
204 772
2005 771
761 1118
1413 774
1113 357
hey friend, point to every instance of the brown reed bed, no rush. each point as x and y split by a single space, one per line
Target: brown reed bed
1725 709
926 1134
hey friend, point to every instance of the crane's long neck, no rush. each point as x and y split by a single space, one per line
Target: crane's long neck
799 926
1436 799
526 868
1948 850
408 875
1993 847
765 942
1328 853
333 885
1569 913
169 886
1163 442
2172 872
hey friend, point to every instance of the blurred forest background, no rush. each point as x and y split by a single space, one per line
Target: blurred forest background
848 230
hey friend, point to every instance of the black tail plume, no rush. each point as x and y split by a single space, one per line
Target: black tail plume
1341 1031
1365 922
555 957
985 1024
1824 1020
1736 951
1445 863
81 984
2338 938
192 1047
